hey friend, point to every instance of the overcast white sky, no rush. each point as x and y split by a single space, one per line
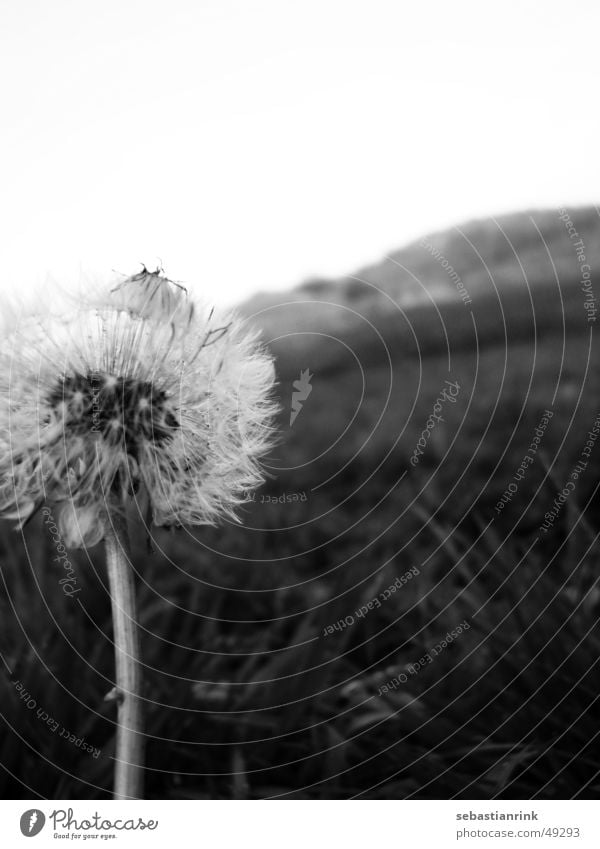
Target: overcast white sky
251 145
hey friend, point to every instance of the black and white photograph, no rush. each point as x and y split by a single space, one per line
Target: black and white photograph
299 422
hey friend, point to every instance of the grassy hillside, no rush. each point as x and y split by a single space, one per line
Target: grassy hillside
488 257
272 648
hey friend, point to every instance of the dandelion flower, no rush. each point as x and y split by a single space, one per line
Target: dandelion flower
134 392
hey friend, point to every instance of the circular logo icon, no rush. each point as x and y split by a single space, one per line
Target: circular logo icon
32 822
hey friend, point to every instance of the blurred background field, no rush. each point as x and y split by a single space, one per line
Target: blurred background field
251 693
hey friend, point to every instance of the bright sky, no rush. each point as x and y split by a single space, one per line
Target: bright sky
251 145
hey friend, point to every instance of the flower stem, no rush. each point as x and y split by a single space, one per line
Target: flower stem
129 749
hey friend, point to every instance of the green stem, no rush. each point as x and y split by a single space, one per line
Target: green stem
129 749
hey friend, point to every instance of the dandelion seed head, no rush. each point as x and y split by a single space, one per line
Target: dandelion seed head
110 400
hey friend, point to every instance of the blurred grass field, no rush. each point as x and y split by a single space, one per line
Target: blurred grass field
248 695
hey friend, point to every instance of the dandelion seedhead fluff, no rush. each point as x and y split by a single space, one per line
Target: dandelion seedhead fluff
133 391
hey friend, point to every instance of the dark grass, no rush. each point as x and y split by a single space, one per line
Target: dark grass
248 696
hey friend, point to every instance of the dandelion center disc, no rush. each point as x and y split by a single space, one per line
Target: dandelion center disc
119 409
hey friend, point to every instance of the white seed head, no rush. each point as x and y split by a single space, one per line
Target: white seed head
138 393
